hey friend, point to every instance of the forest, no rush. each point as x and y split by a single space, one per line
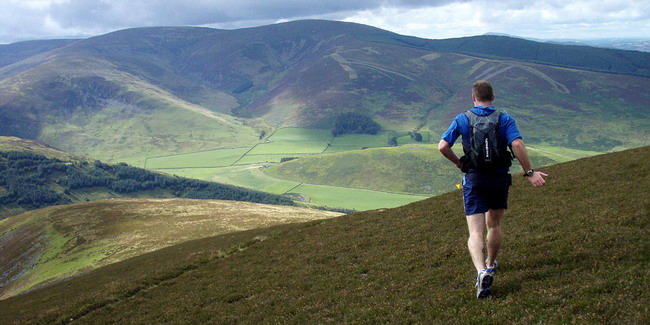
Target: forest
33 181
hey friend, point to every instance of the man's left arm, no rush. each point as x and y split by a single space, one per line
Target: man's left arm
537 178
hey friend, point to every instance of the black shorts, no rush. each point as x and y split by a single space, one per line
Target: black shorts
485 191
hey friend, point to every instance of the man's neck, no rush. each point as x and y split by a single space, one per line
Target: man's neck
484 104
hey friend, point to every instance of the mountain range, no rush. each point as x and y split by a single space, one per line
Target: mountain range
151 91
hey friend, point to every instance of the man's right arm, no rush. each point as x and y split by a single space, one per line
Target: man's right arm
445 149
518 146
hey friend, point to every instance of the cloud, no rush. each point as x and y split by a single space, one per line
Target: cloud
29 19
123 13
538 18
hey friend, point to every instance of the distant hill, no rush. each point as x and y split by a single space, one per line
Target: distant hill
418 169
33 175
153 91
46 245
514 48
615 43
406 169
16 52
407 264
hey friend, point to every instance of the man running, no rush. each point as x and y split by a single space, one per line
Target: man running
485 191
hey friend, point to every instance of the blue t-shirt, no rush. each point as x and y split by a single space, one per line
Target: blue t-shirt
460 126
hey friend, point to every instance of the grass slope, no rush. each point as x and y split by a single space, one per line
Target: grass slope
38 148
415 169
576 251
404 169
49 244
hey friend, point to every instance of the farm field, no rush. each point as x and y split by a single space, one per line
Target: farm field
253 176
350 198
246 167
202 159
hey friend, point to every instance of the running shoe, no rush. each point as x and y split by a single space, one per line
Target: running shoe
483 283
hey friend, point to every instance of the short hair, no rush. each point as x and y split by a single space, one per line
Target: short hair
482 90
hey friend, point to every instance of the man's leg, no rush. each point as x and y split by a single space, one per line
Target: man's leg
476 226
494 235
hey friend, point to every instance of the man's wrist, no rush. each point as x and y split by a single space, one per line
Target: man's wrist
529 173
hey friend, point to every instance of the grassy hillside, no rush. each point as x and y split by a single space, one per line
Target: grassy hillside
574 56
50 244
83 104
30 180
37 148
16 52
419 169
576 251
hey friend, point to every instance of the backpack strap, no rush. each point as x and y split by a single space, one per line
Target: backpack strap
472 117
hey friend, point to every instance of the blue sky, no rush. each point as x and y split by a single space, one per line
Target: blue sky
543 19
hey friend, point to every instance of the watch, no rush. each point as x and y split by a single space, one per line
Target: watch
529 173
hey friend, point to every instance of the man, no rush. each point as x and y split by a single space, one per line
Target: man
485 192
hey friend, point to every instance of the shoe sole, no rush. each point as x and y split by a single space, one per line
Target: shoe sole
486 281
484 293
484 289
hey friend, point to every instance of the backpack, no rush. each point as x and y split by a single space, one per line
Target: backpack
484 151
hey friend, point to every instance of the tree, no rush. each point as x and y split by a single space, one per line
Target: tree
352 123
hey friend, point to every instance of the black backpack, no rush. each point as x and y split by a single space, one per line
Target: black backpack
485 151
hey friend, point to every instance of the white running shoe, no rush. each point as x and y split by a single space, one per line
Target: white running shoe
484 283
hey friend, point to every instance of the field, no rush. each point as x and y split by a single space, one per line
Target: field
201 159
357 171
351 198
246 167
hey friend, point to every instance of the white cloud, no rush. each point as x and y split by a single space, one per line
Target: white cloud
540 18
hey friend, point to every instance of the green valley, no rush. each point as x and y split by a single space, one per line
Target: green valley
201 102
335 171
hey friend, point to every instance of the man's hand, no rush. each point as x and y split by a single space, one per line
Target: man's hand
537 179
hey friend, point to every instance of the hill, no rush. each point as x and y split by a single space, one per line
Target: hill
412 168
46 245
573 253
16 52
405 169
144 92
29 180
514 48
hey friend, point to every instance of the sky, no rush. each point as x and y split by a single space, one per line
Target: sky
540 19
